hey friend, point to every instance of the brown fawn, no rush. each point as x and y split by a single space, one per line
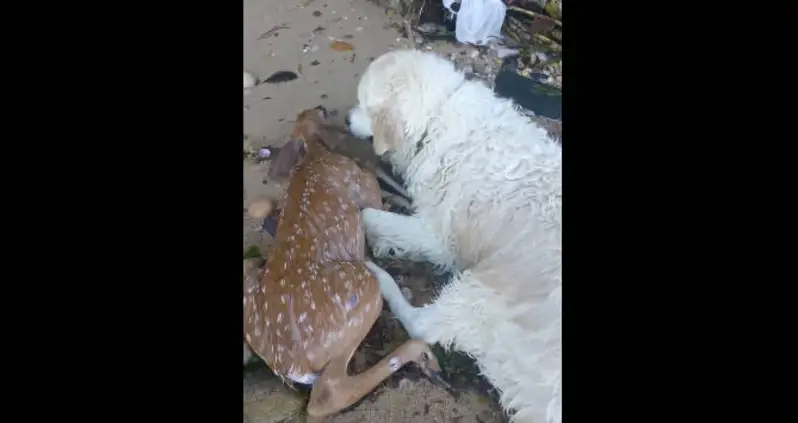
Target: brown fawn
312 305
340 141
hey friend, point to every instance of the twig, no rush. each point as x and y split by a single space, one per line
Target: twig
270 32
409 30
547 40
516 29
519 26
534 14
420 11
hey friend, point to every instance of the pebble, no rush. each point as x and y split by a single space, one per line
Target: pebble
249 80
260 209
504 53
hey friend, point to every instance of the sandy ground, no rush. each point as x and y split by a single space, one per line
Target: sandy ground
326 77
301 44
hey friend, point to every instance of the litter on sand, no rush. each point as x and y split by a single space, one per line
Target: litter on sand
281 76
341 46
478 21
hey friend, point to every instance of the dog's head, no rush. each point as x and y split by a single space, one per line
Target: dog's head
303 140
398 95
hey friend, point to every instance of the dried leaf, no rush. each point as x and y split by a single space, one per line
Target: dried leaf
341 46
540 26
281 76
552 10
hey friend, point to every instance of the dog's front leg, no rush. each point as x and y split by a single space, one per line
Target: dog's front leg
393 235
411 318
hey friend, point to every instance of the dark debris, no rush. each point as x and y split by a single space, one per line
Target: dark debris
280 77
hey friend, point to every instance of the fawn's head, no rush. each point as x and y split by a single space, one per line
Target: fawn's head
304 141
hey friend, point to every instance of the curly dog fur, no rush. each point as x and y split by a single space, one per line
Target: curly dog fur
486 184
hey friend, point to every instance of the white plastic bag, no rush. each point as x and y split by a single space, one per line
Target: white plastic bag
478 20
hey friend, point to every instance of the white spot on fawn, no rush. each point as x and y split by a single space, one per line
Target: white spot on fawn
352 302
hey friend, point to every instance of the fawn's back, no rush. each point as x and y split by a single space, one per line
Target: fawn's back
315 293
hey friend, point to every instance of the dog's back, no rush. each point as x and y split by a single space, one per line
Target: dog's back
495 173
487 183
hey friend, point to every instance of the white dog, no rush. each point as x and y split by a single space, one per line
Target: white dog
486 185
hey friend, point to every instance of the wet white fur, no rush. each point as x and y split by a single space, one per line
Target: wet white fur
487 188
359 123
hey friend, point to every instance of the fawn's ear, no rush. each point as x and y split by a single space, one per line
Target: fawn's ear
288 157
322 112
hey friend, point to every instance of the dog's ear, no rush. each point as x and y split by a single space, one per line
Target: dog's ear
288 157
387 132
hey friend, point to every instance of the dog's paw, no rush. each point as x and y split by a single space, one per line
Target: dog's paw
384 248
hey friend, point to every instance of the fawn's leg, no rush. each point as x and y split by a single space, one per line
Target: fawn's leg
328 395
334 390
393 235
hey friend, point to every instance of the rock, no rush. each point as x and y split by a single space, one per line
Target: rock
260 209
249 80
269 224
